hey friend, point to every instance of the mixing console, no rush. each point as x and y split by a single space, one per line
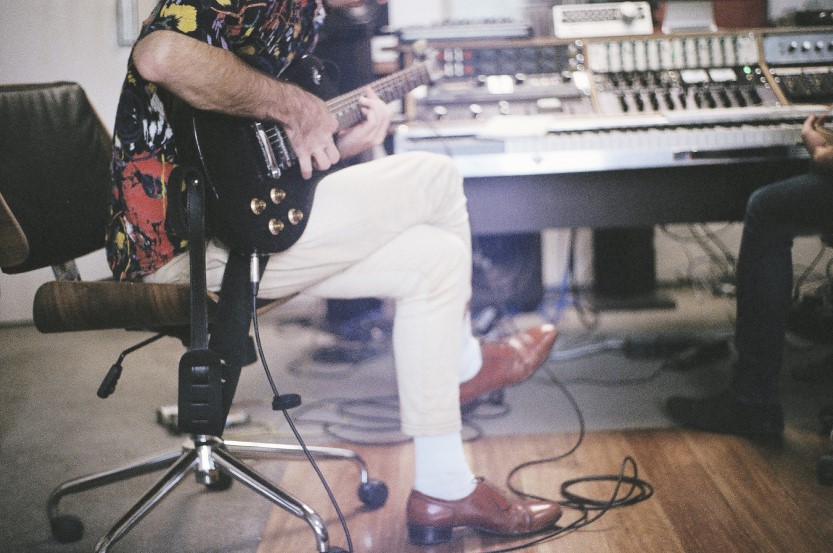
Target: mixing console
554 105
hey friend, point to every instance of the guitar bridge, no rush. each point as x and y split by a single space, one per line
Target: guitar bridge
272 164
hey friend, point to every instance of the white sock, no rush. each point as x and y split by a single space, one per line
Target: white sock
440 467
471 358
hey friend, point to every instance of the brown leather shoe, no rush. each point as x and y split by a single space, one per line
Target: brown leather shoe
431 520
509 361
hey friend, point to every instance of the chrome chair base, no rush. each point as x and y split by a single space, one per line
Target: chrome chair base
215 463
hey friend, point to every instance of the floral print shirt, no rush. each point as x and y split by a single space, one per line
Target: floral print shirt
143 233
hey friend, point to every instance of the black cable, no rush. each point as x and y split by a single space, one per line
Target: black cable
616 383
799 282
276 401
588 317
723 262
384 425
638 491
728 256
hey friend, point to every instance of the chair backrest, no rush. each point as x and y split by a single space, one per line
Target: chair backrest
14 248
54 171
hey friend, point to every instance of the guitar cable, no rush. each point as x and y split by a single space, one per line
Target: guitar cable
285 402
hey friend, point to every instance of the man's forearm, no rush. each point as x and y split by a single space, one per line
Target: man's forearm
210 78
214 79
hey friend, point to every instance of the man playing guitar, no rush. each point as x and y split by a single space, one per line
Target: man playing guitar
395 227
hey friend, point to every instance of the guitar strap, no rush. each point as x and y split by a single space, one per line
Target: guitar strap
200 400
210 370
230 329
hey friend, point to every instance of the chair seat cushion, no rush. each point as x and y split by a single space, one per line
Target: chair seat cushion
64 306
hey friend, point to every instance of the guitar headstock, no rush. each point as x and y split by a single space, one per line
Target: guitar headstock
430 58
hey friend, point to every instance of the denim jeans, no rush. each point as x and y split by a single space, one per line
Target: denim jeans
775 215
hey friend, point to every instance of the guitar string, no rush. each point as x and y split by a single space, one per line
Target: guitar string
382 84
347 104
392 83
347 109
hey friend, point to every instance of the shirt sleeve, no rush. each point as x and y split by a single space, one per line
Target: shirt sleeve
204 20
266 34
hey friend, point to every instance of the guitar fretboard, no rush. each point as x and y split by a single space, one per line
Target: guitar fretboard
346 106
347 110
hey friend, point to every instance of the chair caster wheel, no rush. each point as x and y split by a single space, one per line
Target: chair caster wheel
825 470
223 482
373 493
67 528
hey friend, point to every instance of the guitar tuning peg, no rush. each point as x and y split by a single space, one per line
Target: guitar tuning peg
420 47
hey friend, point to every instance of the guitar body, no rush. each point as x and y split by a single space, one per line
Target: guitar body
251 207
256 198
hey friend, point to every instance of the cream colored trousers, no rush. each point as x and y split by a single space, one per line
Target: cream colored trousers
398 228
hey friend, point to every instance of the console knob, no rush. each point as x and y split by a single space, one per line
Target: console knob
628 12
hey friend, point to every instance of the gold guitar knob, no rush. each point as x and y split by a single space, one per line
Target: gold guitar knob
277 195
295 216
258 206
275 226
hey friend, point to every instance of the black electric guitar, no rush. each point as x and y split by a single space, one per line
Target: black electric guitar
257 199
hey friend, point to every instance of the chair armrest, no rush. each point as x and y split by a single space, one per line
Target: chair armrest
65 306
14 248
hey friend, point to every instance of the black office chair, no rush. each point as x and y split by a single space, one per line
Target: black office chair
54 183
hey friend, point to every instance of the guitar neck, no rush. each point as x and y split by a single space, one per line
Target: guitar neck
396 85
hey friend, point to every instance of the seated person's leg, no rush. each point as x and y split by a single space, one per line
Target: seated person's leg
426 271
775 215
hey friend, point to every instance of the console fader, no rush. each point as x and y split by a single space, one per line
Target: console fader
661 74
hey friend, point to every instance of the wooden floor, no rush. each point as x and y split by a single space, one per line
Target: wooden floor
712 494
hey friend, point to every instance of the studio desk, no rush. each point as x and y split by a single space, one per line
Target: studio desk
621 131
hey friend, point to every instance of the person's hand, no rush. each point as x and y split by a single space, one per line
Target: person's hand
370 132
310 131
817 140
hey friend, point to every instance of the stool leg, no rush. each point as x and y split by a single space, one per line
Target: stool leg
372 492
258 450
181 468
242 472
92 481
